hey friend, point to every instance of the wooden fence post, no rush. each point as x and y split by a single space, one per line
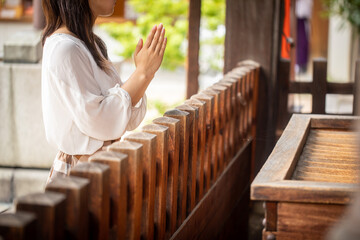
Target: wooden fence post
201 106
319 88
208 140
161 133
19 225
49 209
76 191
215 132
193 148
173 166
98 197
229 127
118 165
135 184
183 160
148 141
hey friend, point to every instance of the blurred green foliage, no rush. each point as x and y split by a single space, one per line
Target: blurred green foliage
348 10
174 16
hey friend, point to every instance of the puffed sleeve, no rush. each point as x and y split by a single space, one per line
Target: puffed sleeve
103 117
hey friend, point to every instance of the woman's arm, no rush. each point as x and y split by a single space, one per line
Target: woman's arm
148 58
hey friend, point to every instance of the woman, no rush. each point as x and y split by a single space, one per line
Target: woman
85 104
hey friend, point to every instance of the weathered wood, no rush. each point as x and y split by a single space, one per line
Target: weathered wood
205 222
338 146
162 135
76 204
208 140
19 225
215 131
98 196
201 105
220 149
193 151
241 20
49 209
118 164
314 219
148 141
135 184
183 160
173 166
192 83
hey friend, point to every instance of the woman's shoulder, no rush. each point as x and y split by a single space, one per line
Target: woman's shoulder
62 48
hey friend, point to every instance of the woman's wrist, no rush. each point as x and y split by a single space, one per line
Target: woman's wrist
143 75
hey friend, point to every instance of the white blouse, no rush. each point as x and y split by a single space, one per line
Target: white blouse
82 105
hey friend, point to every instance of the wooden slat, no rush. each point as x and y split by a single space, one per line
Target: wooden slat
201 105
19 225
76 191
162 135
148 141
319 89
329 145
183 160
98 196
118 164
284 74
135 184
173 173
220 149
49 209
216 127
193 152
208 140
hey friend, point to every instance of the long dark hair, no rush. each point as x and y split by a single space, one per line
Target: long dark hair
77 16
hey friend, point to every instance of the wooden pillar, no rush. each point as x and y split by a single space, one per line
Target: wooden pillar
192 83
38 17
253 32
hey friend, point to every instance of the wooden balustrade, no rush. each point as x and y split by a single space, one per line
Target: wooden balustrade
174 179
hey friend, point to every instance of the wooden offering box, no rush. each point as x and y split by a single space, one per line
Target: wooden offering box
309 178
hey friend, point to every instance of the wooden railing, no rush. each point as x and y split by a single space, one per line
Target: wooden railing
183 176
318 88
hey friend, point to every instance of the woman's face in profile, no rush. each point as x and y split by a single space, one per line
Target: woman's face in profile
102 7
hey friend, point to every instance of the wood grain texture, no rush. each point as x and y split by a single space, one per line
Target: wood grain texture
76 191
173 173
118 165
148 141
19 225
184 133
49 209
215 124
135 184
209 133
313 219
273 182
98 197
162 135
205 222
193 152
329 156
201 105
